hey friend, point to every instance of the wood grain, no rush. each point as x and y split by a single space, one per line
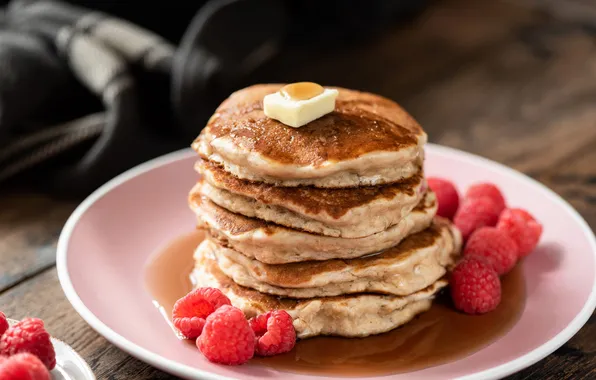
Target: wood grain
494 78
42 297
29 227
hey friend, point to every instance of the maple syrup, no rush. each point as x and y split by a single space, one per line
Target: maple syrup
435 337
301 91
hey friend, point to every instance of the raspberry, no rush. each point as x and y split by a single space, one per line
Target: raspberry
475 286
274 332
23 366
496 246
190 311
3 323
29 335
487 190
475 213
447 196
227 337
523 229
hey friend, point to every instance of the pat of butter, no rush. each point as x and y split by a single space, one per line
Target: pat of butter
297 113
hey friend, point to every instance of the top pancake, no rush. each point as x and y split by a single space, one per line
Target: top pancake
367 140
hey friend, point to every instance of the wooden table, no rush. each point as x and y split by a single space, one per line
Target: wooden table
493 78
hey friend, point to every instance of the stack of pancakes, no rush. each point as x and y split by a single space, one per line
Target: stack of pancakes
332 222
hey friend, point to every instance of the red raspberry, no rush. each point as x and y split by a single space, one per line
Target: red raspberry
523 229
487 190
3 323
227 337
274 332
190 311
29 335
447 196
475 286
475 213
496 246
23 366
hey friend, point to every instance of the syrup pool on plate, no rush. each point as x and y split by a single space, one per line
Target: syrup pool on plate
435 337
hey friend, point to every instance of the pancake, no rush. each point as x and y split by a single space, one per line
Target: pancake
274 244
349 213
367 140
357 315
414 264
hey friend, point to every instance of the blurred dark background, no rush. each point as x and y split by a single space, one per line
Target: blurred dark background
89 89
168 63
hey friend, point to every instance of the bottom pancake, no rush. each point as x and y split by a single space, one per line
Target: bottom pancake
357 315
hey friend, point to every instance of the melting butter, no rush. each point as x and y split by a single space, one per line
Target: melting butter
298 104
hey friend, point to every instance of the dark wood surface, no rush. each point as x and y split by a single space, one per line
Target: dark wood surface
499 79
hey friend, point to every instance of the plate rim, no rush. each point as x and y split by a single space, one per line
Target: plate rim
84 366
179 369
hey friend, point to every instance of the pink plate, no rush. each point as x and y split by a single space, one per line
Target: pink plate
107 240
